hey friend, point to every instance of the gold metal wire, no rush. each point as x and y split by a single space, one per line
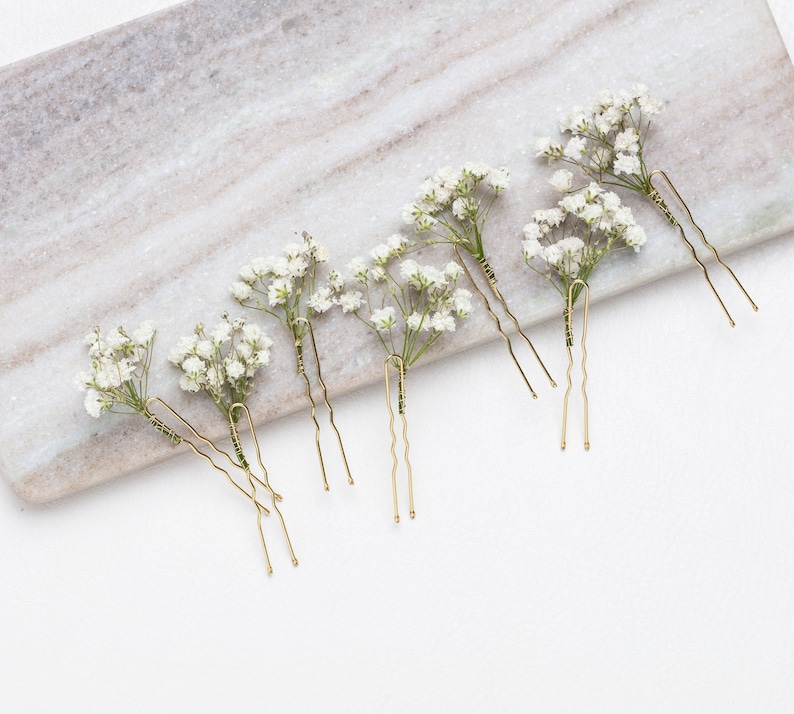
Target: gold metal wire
657 199
328 406
302 372
273 495
491 276
250 496
495 318
568 314
397 361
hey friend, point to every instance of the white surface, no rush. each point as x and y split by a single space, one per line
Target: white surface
654 573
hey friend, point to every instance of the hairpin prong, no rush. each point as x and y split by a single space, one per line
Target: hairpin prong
298 344
397 361
250 496
328 406
265 481
657 199
495 318
491 276
569 347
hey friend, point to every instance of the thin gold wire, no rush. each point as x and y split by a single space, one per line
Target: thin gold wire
298 344
397 360
495 318
325 397
250 496
273 495
491 277
657 199
568 313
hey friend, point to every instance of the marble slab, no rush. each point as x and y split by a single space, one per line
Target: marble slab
141 167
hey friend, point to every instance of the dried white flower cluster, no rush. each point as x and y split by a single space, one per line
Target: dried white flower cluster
409 305
119 370
569 240
608 138
453 204
222 361
285 286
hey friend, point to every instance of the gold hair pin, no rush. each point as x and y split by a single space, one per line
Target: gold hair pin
285 287
118 382
607 145
397 362
452 207
409 306
653 194
222 362
565 243
569 348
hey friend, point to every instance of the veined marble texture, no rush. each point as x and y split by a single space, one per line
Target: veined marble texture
140 168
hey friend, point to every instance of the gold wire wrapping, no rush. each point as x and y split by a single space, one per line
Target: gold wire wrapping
657 199
568 314
495 318
397 362
302 372
265 481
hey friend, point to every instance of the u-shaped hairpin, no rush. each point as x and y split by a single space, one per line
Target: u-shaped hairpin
302 372
657 199
160 426
397 362
569 347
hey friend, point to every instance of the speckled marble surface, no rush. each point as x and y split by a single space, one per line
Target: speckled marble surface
142 166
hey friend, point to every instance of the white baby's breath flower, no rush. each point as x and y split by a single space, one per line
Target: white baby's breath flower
464 208
382 253
575 148
628 141
234 369
499 179
415 321
531 248
384 318
144 334
452 270
335 281
409 270
397 242
206 348
411 213
461 300
650 106
241 290
574 203
221 333
442 321
351 300
279 291
635 237
358 269
116 340
532 231
562 180
542 146
322 300
626 164
94 403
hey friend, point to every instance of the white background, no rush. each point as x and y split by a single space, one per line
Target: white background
653 574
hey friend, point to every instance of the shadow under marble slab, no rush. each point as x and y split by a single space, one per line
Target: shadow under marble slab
141 167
